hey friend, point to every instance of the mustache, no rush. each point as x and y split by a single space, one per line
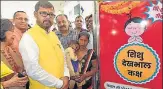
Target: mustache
47 20
62 26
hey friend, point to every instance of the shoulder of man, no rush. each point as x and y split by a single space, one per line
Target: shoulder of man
57 32
73 31
84 30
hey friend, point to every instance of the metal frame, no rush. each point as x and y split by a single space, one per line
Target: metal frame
96 42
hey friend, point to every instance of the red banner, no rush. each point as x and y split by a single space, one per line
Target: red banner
131 45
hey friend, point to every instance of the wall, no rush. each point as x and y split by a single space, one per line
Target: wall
8 8
88 7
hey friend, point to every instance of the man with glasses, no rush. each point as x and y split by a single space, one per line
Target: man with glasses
42 52
20 22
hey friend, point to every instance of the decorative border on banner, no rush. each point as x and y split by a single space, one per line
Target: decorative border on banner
117 7
151 4
146 46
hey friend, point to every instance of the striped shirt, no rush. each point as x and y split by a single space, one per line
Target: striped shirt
66 39
77 32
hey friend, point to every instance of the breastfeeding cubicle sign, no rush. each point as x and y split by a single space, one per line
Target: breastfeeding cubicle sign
131 44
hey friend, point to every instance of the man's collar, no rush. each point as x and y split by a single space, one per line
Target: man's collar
59 33
17 30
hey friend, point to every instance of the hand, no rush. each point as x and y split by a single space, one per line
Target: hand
77 78
65 82
131 39
72 77
139 39
15 81
82 77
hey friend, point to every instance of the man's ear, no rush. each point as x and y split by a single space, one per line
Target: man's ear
35 14
13 21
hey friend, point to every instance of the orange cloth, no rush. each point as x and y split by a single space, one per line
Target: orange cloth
18 34
11 59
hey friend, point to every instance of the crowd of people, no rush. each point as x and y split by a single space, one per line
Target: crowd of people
39 58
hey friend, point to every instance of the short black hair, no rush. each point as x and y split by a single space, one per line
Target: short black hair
62 15
89 16
84 33
73 42
18 12
134 19
6 25
44 4
78 17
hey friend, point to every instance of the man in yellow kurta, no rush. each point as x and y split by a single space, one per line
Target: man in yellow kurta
42 52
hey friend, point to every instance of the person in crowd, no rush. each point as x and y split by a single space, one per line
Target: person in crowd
78 24
20 21
90 23
87 21
64 33
73 63
90 31
10 59
42 52
88 61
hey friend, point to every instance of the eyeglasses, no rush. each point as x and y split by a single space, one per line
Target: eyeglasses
44 14
21 19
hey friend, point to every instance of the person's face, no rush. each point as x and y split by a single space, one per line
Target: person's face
83 41
75 47
45 17
21 21
79 22
89 27
9 36
134 29
86 20
90 24
62 23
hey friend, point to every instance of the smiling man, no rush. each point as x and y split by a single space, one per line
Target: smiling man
20 21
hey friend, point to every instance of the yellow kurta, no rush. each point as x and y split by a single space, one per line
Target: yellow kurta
51 56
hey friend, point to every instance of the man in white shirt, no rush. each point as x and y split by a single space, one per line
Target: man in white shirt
39 51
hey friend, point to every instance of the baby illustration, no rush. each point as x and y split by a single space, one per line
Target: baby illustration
134 28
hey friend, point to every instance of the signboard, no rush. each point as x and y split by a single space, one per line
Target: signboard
131 44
